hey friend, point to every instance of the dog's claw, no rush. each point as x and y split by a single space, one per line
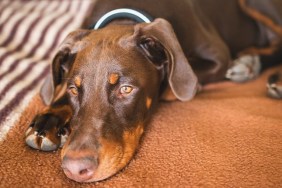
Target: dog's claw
244 69
41 141
46 133
274 86
48 145
31 141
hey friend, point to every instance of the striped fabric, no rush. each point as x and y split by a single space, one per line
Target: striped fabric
30 31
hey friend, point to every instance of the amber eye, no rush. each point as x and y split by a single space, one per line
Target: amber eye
73 90
126 90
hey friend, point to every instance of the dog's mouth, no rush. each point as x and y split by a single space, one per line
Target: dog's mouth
90 169
90 165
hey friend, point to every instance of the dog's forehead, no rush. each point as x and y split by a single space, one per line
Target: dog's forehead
108 43
114 60
106 55
110 35
109 52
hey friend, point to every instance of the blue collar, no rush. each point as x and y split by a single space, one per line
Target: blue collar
122 13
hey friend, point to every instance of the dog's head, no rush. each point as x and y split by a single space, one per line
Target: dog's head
114 78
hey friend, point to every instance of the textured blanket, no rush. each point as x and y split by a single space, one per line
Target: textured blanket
30 31
230 135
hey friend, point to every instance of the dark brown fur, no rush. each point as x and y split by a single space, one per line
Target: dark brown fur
91 68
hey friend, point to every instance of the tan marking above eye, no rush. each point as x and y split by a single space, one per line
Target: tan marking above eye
126 89
77 81
113 78
148 102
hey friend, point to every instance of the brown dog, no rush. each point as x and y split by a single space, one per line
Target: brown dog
105 83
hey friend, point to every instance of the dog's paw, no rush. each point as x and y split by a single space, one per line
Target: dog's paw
47 132
274 86
244 69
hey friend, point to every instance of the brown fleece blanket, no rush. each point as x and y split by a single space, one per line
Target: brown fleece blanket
230 135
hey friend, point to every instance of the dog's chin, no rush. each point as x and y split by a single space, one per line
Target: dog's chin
112 157
110 163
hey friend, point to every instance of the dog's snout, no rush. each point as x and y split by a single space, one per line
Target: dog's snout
79 169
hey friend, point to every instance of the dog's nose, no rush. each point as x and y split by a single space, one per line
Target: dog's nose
81 169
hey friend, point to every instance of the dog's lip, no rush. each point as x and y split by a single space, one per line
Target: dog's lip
90 180
100 175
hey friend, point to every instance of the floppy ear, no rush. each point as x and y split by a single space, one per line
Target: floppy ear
61 65
53 84
159 35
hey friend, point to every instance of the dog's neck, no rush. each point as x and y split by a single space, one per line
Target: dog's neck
122 16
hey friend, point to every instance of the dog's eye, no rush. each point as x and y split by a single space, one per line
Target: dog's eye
73 90
124 90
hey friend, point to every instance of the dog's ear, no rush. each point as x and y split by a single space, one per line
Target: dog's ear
54 82
61 65
160 44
